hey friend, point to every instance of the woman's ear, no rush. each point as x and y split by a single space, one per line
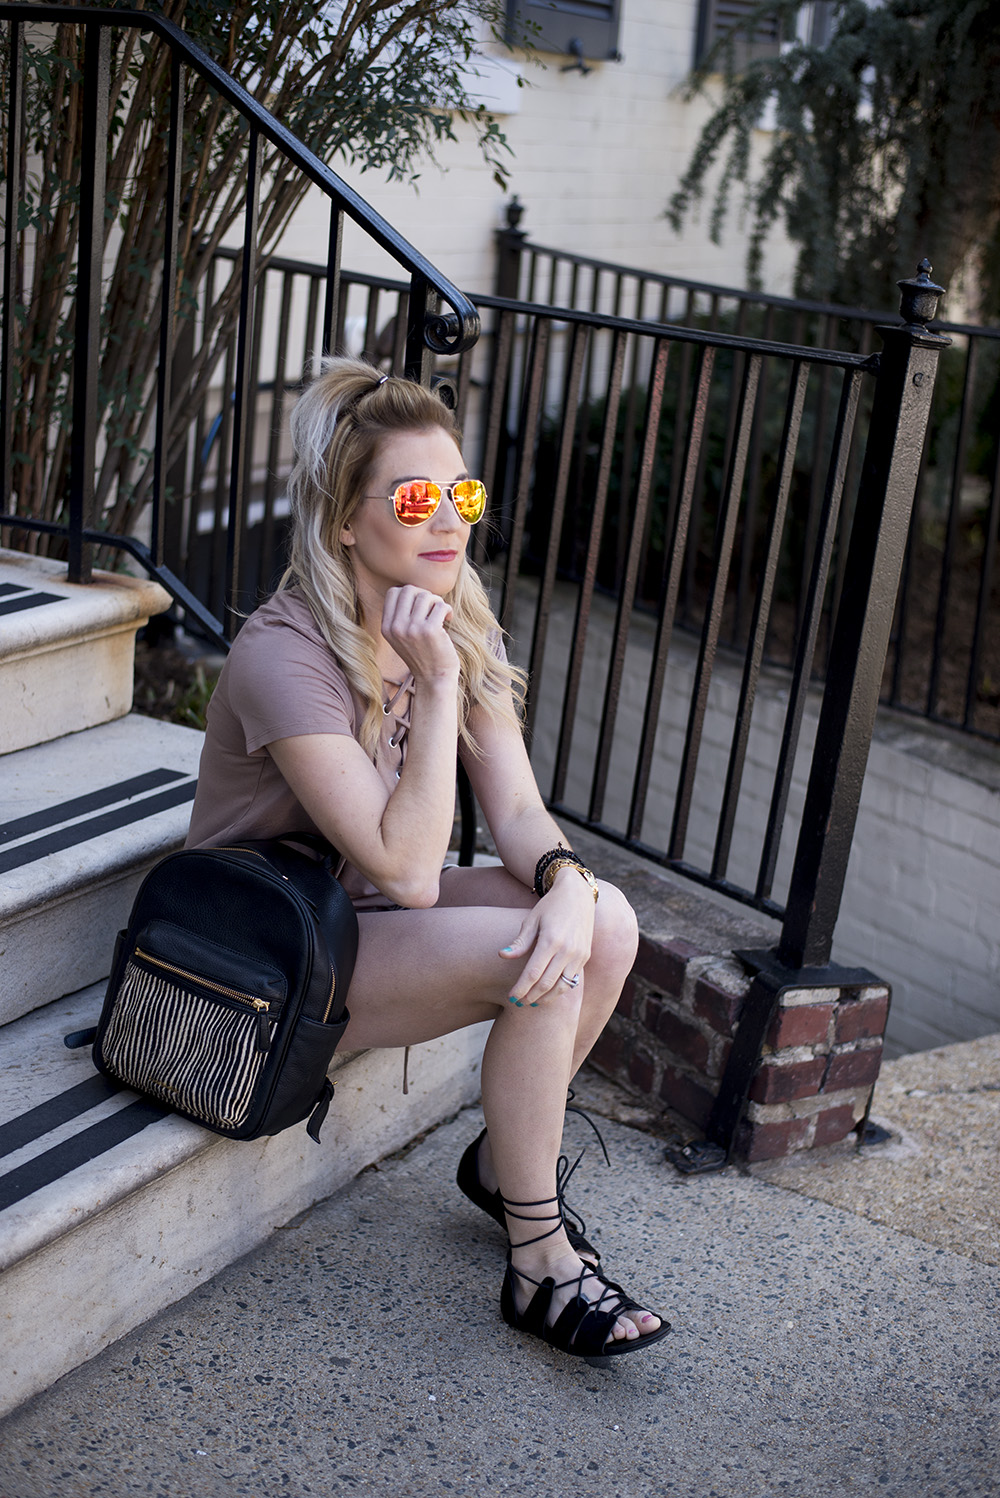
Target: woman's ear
346 534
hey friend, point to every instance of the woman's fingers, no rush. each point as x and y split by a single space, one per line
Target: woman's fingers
543 974
415 622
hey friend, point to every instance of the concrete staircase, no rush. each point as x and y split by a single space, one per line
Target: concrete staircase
108 1210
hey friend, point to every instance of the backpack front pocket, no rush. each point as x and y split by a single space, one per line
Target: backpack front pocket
192 1042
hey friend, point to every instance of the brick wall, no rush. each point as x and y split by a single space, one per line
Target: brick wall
671 1035
922 896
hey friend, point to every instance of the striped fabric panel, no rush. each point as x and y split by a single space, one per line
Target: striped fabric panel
194 1053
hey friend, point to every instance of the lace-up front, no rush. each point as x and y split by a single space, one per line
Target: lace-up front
400 707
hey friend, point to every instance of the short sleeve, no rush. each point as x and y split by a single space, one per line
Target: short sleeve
284 681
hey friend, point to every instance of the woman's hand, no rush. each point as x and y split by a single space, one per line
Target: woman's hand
415 623
557 932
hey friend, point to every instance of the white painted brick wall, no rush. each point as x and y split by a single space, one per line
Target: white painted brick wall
595 160
922 902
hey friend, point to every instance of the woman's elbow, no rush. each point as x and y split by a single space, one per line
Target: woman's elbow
415 892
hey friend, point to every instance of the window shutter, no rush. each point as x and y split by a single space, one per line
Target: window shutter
591 24
716 17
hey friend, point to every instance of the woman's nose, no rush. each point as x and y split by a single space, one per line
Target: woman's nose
446 517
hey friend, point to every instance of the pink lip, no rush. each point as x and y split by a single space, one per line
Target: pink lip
439 556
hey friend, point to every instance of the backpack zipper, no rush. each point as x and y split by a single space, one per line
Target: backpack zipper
261 1007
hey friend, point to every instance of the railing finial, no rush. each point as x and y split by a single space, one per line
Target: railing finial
515 212
919 298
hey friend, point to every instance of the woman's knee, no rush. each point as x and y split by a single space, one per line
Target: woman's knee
616 930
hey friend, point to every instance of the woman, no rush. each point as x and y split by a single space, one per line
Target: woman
341 709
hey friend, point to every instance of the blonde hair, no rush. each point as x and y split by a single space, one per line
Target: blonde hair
337 425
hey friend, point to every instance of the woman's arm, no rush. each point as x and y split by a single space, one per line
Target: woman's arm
555 936
397 839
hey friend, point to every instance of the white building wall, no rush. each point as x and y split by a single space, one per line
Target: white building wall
595 160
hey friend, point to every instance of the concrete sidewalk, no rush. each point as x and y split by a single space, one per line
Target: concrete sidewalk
835 1331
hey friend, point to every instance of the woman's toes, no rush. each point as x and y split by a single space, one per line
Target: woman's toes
624 1330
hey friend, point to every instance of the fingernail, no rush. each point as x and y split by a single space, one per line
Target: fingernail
508 949
512 1000
533 1004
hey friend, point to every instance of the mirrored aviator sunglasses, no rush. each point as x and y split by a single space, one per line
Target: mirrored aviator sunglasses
417 500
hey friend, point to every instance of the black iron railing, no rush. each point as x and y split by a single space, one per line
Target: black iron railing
423 327
647 553
698 429
944 656
643 475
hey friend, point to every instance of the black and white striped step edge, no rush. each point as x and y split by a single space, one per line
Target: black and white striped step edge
81 820
14 598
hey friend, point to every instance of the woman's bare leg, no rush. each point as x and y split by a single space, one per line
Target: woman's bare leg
615 940
424 973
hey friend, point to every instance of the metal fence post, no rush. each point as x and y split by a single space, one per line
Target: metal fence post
510 243
907 370
898 427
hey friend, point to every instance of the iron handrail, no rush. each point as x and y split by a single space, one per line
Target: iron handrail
679 333
443 336
741 294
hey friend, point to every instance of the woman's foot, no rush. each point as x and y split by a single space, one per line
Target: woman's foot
574 1280
551 1292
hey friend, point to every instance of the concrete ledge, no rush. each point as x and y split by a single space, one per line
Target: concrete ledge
66 649
81 821
98 1250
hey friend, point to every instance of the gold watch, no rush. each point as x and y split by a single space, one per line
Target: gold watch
568 863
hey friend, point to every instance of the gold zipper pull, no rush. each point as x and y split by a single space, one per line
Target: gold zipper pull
261 1007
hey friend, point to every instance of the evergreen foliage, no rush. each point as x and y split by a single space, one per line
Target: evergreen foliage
885 147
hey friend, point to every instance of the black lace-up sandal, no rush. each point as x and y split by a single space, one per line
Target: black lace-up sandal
491 1202
583 1328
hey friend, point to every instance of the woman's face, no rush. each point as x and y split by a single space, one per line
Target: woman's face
385 554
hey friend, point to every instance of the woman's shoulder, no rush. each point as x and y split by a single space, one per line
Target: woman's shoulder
285 610
282 638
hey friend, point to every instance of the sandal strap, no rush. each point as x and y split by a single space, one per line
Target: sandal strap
583 1326
555 1217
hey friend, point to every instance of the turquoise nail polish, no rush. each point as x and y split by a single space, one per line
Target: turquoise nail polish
512 1000
510 948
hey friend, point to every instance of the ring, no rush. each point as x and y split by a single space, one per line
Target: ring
565 978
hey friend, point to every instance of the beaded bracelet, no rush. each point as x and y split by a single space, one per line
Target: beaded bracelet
566 854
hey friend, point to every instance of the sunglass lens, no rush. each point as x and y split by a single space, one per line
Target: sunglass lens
470 500
416 502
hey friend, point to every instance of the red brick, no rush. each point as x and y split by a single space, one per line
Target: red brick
860 1019
649 1013
779 1084
717 1006
641 1069
664 963
683 1040
683 1094
853 1069
802 1024
627 1001
769 1141
608 1055
833 1125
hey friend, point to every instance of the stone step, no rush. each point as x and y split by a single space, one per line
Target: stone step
82 818
111 1210
67 650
